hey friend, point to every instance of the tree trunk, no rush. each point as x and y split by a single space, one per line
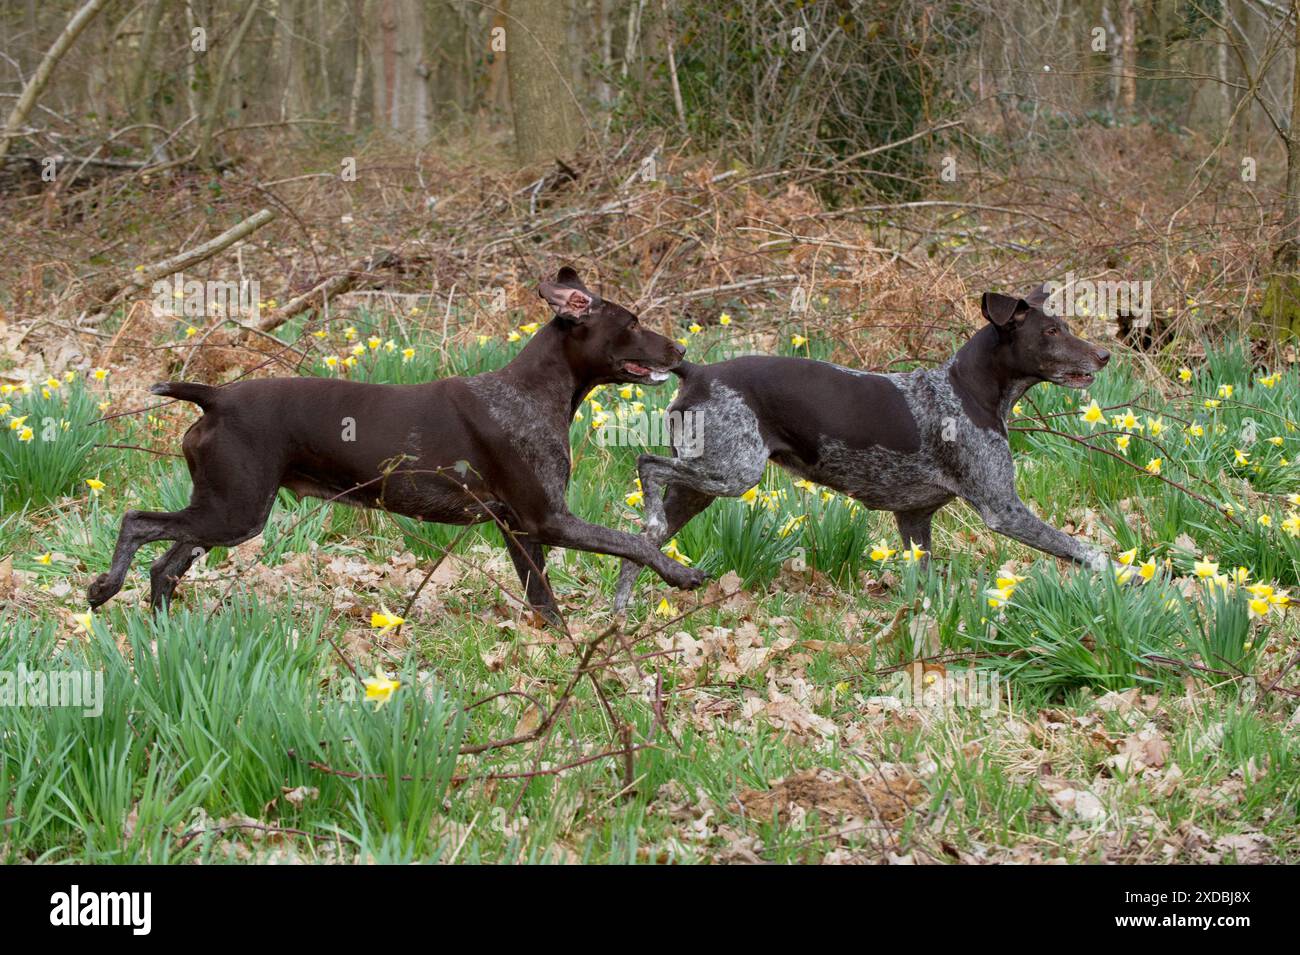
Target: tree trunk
548 125
361 12
217 93
1281 308
41 77
139 94
401 77
1128 39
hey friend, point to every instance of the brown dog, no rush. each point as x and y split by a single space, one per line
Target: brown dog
456 451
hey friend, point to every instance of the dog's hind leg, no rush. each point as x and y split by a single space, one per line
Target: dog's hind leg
138 528
167 570
681 503
234 490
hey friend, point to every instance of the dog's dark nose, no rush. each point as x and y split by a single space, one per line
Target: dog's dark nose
1103 356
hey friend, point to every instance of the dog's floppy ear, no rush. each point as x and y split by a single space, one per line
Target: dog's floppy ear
1001 310
567 296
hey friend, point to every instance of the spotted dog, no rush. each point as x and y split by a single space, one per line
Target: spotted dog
457 451
907 443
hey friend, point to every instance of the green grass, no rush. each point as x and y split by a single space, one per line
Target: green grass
236 728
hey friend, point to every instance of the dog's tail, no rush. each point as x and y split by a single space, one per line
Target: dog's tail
205 396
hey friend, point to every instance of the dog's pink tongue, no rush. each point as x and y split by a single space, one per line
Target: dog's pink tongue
635 369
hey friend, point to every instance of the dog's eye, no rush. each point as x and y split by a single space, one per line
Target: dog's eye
1051 330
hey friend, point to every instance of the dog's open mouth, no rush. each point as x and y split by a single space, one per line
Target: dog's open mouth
1081 379
645 372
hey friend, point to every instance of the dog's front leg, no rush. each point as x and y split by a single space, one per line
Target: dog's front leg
566 530
529 558
1010 517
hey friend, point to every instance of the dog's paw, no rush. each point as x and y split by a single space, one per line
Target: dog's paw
688 578
100 590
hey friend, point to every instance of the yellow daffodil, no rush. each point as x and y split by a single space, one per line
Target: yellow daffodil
1225 391
798 341
1155 426
789 526
1147 569
331 361
350 333
635 499
320 333
880 551
1128 557
999 596
99 374
84 621
1264 520
1092 414
1184 374
1212 403
750 496
95 485
665 609
26 435
1240 575
805 485
46 558
724 319
914 553
695 328
1196 430
513 337
1017 408
407 354
672 550
191 331
383 621
1257 608
1241 457
17 423
380 688
1292 524
1153 466
358 349
374 342
1122 442
530 328
1205 569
